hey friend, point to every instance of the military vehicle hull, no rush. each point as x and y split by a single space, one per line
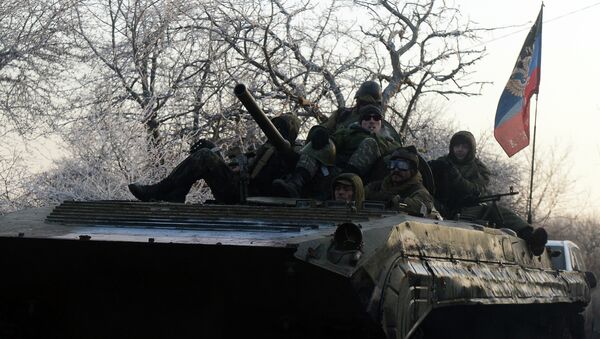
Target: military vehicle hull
132 269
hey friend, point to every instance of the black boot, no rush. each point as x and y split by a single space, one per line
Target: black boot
536 239
291 187
141 192
175 186
147 192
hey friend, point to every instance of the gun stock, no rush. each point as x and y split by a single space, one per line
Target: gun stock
275 138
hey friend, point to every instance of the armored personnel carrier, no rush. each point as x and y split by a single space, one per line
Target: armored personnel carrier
274 268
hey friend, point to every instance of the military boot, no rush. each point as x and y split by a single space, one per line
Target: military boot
536 239
145 192
291 187
176 185
165 190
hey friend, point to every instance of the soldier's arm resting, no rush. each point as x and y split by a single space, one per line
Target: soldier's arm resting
468 187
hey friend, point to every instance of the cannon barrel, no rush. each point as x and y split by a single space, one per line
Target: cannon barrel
275 138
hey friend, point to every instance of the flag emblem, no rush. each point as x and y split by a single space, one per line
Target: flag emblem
511 127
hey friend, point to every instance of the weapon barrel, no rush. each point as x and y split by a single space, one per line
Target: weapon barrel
495 197
275 138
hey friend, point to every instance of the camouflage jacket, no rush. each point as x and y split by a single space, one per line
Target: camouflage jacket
412 193
341 118
348 139
345 117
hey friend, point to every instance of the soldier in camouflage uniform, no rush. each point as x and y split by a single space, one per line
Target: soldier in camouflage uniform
462 178
361 144
354 149
348 187
369 93
403 187
206 163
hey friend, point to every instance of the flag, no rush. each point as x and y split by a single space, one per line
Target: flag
511 128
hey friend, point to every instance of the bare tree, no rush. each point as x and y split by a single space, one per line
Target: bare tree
554 186
296 55
34 57
584 230
13 174
157 66
107 153
314 60
423 53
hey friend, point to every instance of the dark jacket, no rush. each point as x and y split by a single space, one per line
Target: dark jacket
460 182
268 164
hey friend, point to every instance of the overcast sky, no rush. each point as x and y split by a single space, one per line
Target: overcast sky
569 99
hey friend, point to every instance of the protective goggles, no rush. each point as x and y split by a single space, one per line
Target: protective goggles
399 165
368 117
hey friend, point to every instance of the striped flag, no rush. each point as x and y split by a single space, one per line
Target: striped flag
511 128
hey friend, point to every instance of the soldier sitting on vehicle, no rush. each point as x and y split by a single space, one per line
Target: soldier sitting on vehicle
461 178
226 183
354 149
403 187
369 93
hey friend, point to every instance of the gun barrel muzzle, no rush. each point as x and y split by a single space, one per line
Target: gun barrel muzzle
275 138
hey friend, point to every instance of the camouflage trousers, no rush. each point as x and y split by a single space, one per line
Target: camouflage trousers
320 177
309 163
360 161
364 157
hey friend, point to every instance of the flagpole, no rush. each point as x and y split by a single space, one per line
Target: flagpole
529 200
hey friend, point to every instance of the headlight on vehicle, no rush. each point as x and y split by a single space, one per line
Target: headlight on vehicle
348 237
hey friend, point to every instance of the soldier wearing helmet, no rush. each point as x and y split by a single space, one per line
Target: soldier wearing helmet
403 187
205 162
369 93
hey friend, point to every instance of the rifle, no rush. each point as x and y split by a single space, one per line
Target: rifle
495 197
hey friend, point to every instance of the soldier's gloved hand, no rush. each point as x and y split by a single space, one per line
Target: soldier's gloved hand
319 136
453 173
202 143
397 202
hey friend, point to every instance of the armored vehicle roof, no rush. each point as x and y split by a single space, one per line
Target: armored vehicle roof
273 223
